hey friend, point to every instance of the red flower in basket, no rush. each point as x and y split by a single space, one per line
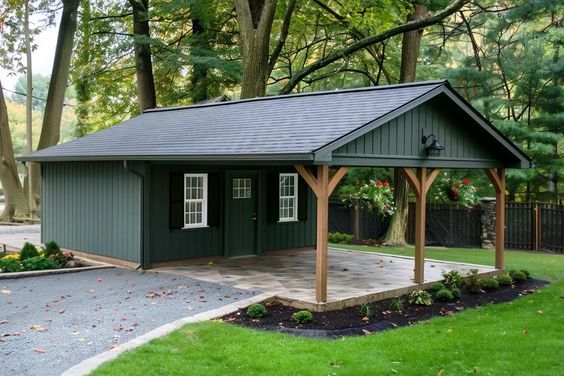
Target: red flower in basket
386 183
378 183
465 181
457 185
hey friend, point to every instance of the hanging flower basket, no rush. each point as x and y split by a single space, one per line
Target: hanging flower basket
460 191
452 194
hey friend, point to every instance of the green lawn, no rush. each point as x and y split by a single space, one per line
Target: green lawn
524 337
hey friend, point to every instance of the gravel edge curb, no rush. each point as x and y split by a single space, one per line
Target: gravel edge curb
39 273
88 365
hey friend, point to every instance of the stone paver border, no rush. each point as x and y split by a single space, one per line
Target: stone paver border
88 365
39 273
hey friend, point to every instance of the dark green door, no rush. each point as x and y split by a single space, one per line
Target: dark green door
242 215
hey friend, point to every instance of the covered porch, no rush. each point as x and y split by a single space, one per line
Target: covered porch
354 277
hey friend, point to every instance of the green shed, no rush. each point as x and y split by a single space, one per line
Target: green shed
246 177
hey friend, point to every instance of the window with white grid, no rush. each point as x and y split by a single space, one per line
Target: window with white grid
288 197
241 188
195 200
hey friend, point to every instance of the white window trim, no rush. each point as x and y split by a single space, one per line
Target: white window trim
295 196
204 200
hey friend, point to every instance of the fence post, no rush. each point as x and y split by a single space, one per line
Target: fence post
537 227
356 222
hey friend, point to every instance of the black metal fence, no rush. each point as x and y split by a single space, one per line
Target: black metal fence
529 226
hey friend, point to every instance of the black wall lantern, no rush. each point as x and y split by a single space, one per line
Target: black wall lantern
434 149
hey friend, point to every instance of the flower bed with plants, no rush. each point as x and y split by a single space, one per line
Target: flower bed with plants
31 259
455 293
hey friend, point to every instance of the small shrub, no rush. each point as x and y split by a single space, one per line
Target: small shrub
504 279
436 287
51 248
456 294
366 311
9 265
526 272
452 279
489 283
337 237
302 317
472 282
517 275
28 251
39 263
420 297
63 259
444 295
256 311
396 305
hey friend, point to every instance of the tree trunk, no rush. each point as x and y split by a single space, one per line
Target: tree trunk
29 111
82 80
395 236
143 64
16 203
51 127
255 18
199 78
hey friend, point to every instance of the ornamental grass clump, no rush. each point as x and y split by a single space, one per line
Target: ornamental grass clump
256 311
504 279
420 297
302 317
366 311
396 305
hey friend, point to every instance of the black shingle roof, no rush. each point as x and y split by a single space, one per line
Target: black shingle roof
289 127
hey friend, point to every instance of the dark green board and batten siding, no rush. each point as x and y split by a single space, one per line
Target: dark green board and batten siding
398 141
92 207
168 244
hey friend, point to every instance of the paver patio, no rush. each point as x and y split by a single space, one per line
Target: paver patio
354 277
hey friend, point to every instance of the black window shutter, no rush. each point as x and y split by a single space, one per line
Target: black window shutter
214 200
273 198
303 199
176 200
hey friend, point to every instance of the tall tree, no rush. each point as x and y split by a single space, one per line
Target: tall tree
16 205
411 42
255 18
143 63
51 127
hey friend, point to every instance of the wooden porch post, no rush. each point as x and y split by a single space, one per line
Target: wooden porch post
420 183
497 177
322 186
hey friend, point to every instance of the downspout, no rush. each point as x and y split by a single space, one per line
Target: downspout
142 210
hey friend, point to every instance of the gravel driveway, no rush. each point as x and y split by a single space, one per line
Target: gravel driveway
50 323
17 235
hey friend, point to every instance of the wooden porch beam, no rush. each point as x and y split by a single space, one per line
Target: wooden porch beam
420 182
309 178
341 172
497 177
322 234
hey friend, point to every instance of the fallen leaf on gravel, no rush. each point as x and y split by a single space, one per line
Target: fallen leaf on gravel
75 333
62 311
114 346
99 280
182 287
8 292
39 350
124 318
4 322
118 328
38 328
92 290
190 308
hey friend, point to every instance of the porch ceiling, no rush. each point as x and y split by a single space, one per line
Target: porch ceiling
353 277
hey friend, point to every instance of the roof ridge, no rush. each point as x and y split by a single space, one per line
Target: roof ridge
299 95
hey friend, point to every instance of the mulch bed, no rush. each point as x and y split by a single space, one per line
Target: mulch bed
349 321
